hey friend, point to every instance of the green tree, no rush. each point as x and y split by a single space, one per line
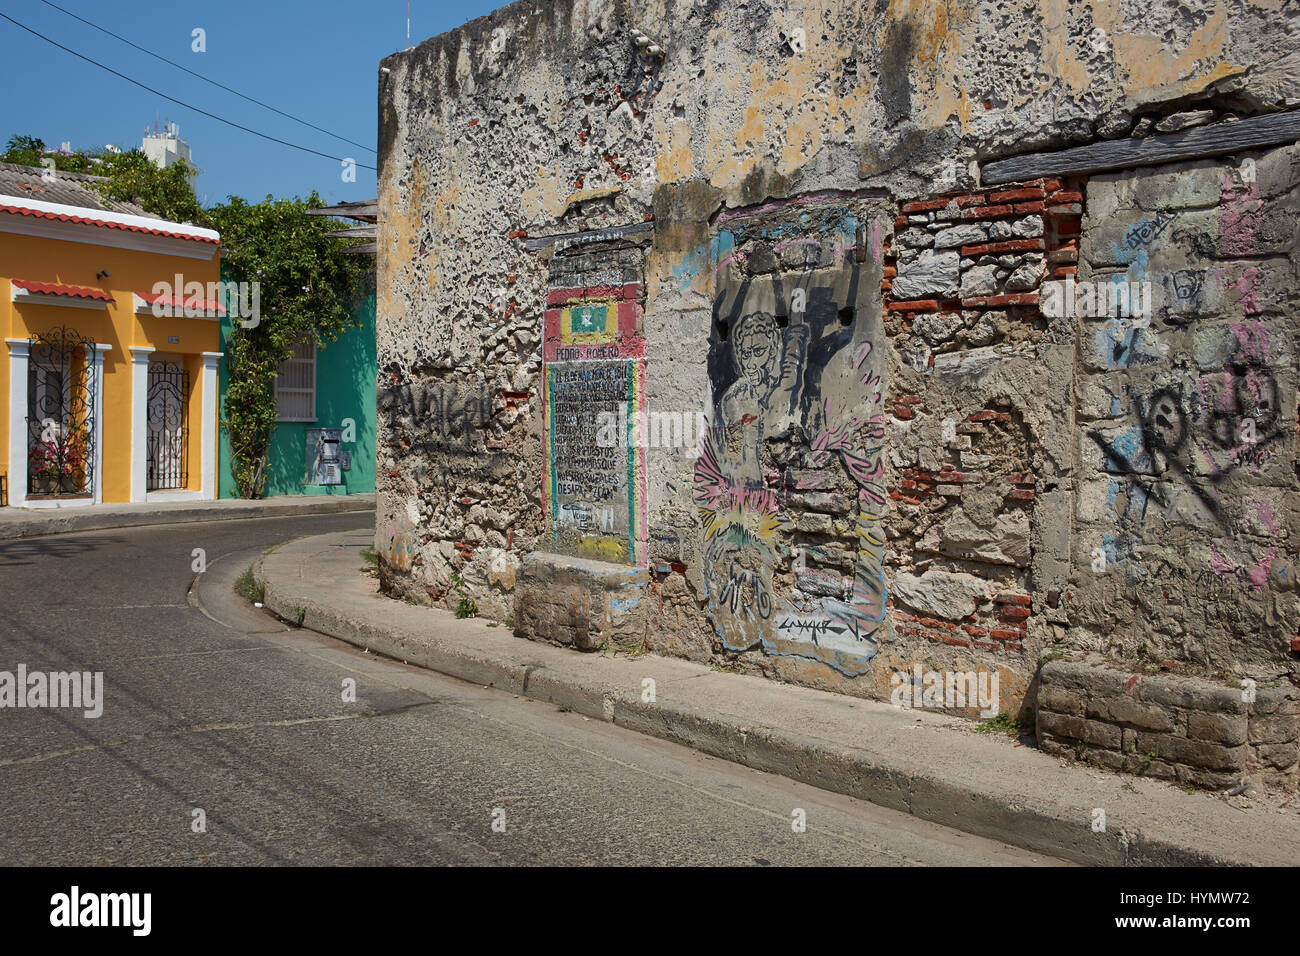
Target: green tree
132 177
308 288
24 150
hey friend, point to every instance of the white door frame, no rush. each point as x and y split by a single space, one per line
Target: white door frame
19 369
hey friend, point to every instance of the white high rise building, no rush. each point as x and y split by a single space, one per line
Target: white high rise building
165 147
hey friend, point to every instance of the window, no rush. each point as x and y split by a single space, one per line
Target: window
295 384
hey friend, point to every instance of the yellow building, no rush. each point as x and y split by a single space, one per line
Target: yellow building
102 398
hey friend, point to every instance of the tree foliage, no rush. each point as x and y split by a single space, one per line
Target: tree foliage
308 289
132 177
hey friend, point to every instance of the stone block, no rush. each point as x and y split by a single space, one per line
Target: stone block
579 602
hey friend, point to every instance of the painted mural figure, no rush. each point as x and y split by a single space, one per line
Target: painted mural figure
762 401
801 400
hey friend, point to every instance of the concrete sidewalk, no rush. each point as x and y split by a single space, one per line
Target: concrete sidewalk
31 522
921 763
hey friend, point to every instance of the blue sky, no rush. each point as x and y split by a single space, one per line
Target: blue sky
314 59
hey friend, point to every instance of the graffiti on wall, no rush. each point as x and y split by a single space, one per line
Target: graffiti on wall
593 373
789 480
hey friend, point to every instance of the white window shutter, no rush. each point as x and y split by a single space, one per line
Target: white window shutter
295 384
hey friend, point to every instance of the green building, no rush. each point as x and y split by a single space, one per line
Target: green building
324 440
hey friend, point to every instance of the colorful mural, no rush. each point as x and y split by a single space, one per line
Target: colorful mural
789 482
594 372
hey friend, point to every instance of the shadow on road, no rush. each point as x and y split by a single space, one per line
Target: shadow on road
24 551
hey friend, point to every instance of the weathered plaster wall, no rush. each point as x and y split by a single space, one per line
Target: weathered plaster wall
763 224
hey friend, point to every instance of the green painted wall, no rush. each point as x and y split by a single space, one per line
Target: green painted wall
346 372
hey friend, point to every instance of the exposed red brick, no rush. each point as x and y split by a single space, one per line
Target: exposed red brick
1069 209
975 631
1000 634
1026 208
1067 197
900 222
917 305
935 622
889 272
902 411
1022 494
1064 272
1017 195
1015 298
1295 645
924 205
1008 245
518 234
1009 613
1051 185
988 212
1006 597
944 639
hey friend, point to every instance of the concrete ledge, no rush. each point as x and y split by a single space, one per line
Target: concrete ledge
922 763
30 523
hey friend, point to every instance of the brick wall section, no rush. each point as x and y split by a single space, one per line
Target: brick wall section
1005 240
1182 728
961 282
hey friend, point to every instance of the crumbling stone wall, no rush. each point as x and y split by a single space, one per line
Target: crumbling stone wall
897 434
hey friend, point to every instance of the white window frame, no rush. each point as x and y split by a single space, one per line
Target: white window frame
297 391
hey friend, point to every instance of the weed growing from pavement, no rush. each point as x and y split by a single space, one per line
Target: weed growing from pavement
249 588
370 556
1004 723
465 607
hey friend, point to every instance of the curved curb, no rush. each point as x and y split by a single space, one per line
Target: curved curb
1034 803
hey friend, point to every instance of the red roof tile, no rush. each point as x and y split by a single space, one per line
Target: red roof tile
58 288
179 302
91 221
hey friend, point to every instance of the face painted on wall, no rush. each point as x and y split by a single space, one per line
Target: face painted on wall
756 346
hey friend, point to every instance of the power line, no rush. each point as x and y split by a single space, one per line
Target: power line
173 99
204 78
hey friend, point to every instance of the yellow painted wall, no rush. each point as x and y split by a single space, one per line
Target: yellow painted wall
130 271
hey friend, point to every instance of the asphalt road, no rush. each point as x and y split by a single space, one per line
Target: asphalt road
212 706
